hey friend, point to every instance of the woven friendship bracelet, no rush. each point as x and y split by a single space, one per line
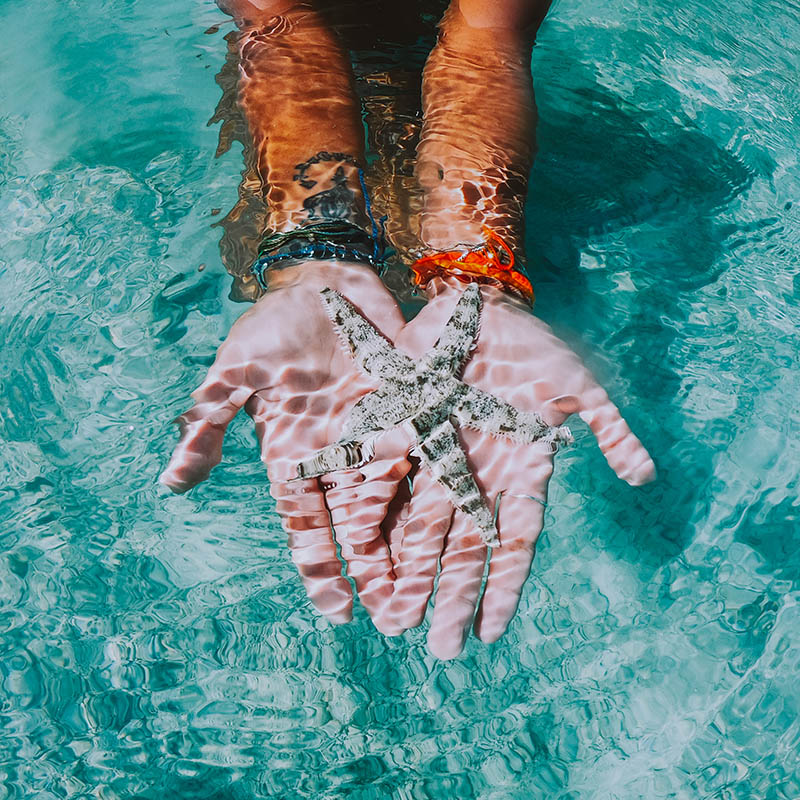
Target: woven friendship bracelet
491 263
332 239
323 241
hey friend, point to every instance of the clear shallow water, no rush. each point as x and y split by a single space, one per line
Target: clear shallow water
158 645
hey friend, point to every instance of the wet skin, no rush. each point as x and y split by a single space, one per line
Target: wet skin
519 359
284 364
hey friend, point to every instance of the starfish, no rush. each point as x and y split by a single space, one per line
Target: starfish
430 396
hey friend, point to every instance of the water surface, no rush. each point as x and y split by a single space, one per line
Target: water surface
163 646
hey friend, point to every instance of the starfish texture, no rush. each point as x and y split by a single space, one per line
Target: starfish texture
429 395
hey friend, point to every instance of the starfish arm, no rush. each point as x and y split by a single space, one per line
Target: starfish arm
441 452
453 347
370 350
489 414
340 455
380 410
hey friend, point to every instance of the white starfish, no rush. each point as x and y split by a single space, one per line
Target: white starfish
430 396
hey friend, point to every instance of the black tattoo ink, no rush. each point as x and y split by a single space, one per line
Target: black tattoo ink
338 202
301 170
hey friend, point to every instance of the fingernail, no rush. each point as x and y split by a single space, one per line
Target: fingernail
443 647
644 473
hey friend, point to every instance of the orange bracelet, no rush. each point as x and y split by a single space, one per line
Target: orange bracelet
479 264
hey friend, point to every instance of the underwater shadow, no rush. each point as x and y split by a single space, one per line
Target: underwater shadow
621 229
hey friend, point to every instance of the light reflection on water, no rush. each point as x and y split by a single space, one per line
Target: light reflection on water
163 645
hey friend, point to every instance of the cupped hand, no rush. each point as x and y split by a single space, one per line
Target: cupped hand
519 359
282 362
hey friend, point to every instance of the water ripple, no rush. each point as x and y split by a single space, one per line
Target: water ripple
163 645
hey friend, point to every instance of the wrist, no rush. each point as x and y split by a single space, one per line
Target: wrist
334 240
318 274
443 285
491 264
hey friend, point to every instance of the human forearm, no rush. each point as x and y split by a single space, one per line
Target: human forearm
477 141
296 91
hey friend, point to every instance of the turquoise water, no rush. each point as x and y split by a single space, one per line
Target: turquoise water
153 645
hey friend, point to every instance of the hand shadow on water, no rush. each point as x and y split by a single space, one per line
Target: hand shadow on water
621 231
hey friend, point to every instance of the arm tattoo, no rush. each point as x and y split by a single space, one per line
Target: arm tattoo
301 170
338 200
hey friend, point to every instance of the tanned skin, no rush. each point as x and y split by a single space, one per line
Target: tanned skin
283 363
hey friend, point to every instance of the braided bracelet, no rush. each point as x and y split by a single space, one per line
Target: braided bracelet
492 263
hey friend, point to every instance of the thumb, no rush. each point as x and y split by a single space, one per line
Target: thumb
216 403
625 454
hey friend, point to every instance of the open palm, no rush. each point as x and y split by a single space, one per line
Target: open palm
519 359
284 363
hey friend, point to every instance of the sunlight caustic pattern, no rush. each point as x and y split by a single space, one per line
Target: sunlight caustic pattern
155 645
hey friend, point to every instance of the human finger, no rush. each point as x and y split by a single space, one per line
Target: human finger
422 528
358 501
395 519
519 523
625 454
202 428
305 518
463 562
